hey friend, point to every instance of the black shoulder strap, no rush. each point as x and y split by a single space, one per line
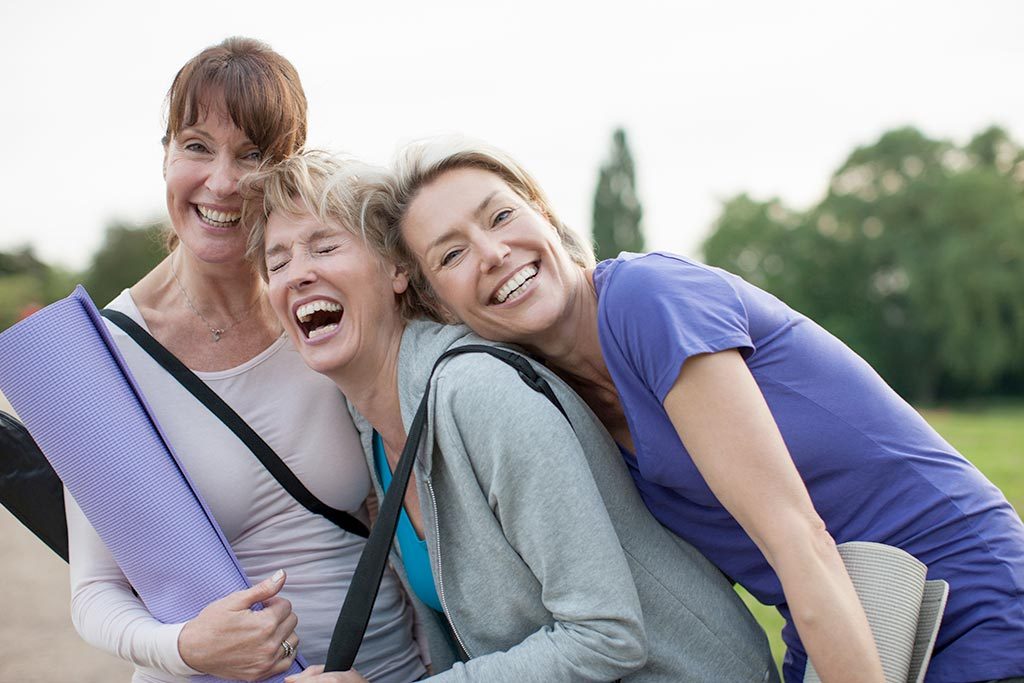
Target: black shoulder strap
209 398
362 591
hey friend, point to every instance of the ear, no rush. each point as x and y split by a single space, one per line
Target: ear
399 280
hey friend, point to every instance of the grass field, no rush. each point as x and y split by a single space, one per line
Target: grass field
989 435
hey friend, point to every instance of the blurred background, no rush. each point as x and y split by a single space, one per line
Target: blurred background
860 161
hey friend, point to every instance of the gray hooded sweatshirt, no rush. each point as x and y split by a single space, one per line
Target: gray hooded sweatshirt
547 563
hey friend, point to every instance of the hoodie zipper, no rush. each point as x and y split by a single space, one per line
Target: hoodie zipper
440 582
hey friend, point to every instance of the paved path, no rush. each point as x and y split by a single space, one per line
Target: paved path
38 644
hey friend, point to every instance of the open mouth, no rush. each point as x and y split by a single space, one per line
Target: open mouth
319 317
218 219
516 285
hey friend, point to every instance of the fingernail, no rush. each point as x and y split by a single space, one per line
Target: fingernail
278 575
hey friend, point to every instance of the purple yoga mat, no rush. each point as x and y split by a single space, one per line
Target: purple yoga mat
63 374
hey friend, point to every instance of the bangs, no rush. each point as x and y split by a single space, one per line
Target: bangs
264 102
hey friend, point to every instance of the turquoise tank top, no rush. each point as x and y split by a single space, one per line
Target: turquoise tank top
414 549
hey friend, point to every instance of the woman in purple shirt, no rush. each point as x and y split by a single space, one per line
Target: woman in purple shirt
750 431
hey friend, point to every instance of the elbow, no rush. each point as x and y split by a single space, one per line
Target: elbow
81 599
634 656
624 651
804 540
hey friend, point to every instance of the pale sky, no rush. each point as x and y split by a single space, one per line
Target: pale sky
717 97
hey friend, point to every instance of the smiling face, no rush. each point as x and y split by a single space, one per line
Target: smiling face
330 292
202 165
491 257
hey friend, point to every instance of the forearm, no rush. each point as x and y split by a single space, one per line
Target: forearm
108 619
826 611
105 611
725 424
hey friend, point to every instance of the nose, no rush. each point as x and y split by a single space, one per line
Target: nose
301 273
492 250
223 178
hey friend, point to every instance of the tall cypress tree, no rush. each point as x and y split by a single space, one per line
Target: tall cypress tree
617 210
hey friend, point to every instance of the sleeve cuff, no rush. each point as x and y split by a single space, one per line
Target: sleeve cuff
167 647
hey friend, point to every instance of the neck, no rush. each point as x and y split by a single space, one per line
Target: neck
371 384
224 290
572 346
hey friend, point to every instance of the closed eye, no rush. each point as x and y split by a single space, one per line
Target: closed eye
276 266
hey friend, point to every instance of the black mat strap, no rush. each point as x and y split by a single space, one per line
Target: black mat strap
209 398
362 591
29 487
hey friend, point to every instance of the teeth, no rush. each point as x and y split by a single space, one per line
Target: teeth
307 310
221 217
320 331
517 280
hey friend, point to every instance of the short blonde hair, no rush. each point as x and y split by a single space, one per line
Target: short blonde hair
420 163
331 188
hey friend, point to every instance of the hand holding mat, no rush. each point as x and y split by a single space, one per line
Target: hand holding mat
63 374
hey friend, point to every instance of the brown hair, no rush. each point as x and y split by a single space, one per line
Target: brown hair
421 163
260 90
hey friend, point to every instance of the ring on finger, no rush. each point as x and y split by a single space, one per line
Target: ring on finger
289 649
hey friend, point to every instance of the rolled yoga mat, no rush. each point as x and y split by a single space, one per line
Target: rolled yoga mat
63 374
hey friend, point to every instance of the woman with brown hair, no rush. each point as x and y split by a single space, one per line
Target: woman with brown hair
232 107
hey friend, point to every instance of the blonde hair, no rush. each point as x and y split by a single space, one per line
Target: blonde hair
331 188
420 163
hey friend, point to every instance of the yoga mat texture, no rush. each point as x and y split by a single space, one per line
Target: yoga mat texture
63 374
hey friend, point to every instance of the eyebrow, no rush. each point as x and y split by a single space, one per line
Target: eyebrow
275 250
447 234
193 130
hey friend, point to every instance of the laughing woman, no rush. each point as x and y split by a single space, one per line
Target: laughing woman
505 536
750 431
231 107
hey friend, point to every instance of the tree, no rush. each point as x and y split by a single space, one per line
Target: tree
915 258
27 284
128 252
617 210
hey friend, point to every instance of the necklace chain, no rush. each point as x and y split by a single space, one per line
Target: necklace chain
215 332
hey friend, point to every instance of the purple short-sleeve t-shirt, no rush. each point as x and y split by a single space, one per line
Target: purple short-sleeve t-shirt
876 471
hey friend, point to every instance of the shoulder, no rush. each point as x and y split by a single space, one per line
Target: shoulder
478 373
656 310
124 303
478 394
641 293
632 279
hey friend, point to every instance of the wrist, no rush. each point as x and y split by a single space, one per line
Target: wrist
185 655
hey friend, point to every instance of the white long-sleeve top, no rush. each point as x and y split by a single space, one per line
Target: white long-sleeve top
302 416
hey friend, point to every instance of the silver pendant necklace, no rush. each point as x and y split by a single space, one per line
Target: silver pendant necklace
215 332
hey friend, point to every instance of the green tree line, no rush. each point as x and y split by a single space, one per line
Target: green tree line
127 253
914 257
